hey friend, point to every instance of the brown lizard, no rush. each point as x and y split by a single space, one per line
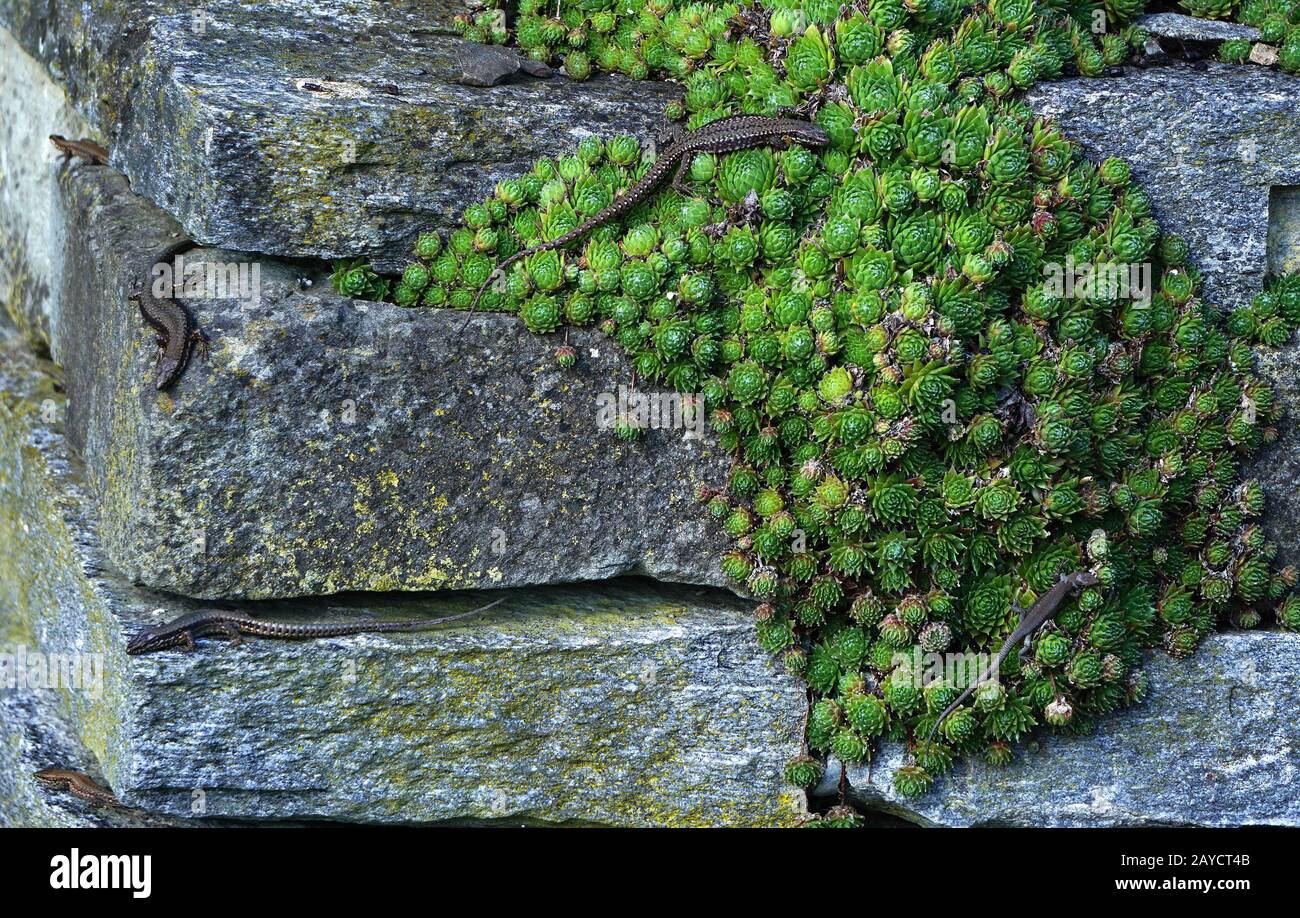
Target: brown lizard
88 150
737 132
77 784
1039 613
174 328
182 631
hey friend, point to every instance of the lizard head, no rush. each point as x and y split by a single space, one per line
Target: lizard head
804 132
159 637
1084 579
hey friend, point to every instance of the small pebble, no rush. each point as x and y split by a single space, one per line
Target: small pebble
1263 54
486 65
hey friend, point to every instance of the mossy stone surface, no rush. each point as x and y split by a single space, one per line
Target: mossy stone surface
629 703
329 130
32 106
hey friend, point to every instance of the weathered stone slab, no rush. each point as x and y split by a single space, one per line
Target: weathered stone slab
622 705
1284 230
1190 28
1277 466
330 130
88 47
626 704
32 106
33 736
1213 745
330 445
1207 145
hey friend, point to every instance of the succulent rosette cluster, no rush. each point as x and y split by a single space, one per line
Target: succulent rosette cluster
953 359
1278 22
643 39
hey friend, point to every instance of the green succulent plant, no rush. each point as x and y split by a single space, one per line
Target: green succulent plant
355 278
1210 9
927 429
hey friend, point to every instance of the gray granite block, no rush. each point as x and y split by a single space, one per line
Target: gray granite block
628 703
328 444
1190 28
1213 745
328 130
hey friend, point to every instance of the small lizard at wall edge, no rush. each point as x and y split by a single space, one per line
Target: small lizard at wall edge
77 784
174 328
88 150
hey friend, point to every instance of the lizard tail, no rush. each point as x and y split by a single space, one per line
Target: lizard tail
425 624
559 243
948 710
487 283
998 660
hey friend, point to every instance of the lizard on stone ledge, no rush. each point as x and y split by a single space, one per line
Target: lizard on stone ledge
77 784
737 132
88 150
174 328
182 631
1038 615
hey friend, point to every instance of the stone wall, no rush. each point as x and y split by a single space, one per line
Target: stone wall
333 458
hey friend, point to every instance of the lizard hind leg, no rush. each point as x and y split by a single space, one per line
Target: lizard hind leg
1025 651
679 184
230 631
